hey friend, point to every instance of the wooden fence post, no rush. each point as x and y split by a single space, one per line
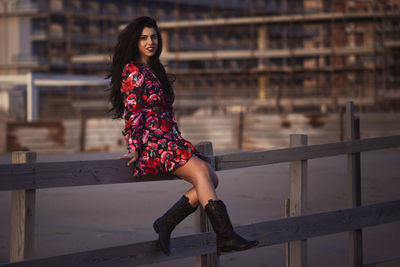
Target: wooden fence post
202 224
82 133
297 201
354 178
240 129
22 215
287 245
341 127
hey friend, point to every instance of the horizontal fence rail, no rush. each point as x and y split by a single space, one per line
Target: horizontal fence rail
113 171
258 158
70 173
268 233
384 263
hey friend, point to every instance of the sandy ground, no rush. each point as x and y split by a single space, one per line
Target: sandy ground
89 217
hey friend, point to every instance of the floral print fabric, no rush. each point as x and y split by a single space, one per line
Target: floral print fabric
150 126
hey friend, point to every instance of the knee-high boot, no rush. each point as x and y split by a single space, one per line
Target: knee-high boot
166 223
227 239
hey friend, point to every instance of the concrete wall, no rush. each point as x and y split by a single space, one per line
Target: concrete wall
104 135
25 33
259 132
15 36
222 131
11 36
273 131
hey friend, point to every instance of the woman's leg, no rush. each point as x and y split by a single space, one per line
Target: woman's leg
186 205
192 194
203 178
199 174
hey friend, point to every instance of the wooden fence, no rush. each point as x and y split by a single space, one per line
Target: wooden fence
24 179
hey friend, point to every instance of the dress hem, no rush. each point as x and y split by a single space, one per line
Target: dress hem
178 166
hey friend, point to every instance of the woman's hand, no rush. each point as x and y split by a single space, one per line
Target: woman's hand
132 157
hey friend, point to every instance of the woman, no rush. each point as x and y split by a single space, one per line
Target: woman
142 94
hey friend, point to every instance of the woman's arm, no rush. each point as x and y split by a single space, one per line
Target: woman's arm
132 92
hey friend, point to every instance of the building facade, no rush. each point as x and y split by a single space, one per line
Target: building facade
261 54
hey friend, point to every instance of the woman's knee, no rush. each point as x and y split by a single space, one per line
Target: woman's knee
214 178
205 174
197 172
210 174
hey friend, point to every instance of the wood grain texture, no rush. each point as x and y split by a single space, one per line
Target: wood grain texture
287 246
268 233
69 173
392 262
298 199
298 179
354 185
22 215
258 158
202 224
96 172
349 121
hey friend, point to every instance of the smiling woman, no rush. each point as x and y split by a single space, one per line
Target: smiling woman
142 95
148 43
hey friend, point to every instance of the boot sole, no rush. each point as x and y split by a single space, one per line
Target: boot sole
229 249
163 249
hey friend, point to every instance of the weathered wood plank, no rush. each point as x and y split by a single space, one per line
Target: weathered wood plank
69 173
268 233
130 255
22 223
384 263
287 246
354 185
94 172
258 158
324 223
202 224
298 200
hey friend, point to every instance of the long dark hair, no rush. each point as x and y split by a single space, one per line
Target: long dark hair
125 51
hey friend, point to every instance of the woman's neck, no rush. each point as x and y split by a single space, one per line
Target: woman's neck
144 60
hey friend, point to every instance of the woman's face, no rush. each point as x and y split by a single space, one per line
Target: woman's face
148 43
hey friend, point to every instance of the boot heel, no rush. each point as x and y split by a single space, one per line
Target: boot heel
164 225
227 238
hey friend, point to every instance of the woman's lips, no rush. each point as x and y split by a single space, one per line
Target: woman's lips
150 49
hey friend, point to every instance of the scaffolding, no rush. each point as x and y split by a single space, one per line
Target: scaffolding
281 54
334 50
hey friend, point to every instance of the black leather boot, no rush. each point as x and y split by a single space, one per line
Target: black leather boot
227 239
166 223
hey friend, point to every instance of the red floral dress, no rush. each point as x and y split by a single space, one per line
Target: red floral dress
150 126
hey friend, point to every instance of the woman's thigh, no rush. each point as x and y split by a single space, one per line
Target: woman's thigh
194 169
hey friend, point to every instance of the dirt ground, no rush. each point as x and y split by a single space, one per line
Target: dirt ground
90 217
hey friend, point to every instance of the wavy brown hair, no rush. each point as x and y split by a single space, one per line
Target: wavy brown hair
125 51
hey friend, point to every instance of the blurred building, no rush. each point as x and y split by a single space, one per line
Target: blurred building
256 54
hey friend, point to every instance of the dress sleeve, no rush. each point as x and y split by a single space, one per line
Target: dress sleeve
132 92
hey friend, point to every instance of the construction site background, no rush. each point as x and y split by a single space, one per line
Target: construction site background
290 56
